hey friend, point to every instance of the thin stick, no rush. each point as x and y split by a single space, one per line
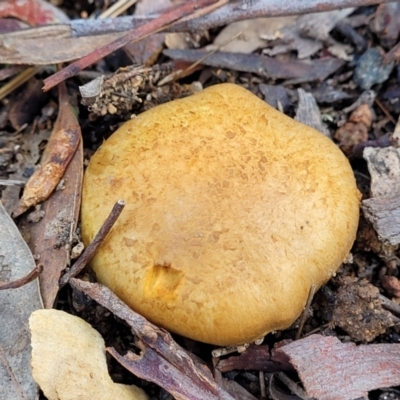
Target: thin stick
170 15
117 8
22 281
389 305
262 385
90 251
296 389
18 80
305 312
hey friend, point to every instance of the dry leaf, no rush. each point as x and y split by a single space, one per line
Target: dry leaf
331 370
50 238
60 149
252 31
355 130
16 305
34 12
69 360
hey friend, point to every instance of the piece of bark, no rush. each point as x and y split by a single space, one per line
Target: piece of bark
162 360
308 112
332 370
383 208
256 358
358 310
302 71
50 238
385 23
60 149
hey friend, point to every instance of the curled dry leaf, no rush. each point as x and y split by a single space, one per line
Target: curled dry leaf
355 130
60 149
69 360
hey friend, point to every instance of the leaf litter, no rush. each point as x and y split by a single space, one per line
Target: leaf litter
311 76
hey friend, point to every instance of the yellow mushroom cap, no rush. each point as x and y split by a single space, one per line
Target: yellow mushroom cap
233 211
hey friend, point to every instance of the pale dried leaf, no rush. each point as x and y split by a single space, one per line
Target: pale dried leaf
69 360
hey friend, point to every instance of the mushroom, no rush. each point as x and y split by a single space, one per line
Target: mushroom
69 360
233 211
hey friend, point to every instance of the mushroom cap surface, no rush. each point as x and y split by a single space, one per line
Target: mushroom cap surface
233 211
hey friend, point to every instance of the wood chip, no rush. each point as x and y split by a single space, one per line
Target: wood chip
332 370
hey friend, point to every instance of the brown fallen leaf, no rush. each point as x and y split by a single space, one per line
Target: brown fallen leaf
60 149
162 360
69 360
355 130
50 238
332 370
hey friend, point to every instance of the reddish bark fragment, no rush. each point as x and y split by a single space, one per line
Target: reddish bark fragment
332 370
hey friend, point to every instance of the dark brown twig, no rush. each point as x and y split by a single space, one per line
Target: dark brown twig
170 15
22 281
88 254
305 312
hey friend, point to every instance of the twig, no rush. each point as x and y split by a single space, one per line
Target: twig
117 8
171 15
88 254
234 11
19 80
296 389
263 390
22 281
389 305
305 312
